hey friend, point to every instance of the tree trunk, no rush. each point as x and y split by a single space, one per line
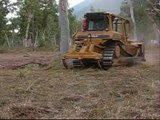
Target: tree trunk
13 39
25 40
133 19
36 42
8 42
64 27
54 40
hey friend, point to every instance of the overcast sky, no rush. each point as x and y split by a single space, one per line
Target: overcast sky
71 2
74 2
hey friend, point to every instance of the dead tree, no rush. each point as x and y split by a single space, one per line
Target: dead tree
64 27
133 18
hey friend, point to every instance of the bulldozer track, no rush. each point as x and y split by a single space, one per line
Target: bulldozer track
78 63
108 57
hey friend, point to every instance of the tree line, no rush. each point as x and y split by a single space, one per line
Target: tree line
35 23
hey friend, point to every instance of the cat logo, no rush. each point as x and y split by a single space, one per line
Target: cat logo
92 36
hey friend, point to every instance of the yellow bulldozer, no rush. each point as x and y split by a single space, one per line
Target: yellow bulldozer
104 42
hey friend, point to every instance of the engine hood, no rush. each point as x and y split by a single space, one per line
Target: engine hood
98 34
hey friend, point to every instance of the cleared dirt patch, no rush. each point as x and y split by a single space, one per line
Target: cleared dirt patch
17 60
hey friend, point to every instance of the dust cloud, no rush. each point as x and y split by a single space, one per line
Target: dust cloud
152 54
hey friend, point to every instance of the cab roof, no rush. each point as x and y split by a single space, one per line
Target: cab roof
106 14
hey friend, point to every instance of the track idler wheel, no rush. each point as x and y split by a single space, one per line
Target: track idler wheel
72 63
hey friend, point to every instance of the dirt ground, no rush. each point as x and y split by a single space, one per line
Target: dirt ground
16 60
36 85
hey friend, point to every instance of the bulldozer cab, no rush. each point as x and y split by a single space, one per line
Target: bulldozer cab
106 22
97 22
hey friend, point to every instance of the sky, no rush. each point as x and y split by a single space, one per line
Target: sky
74 2
71 2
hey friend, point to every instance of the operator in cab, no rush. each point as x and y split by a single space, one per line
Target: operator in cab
95 23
